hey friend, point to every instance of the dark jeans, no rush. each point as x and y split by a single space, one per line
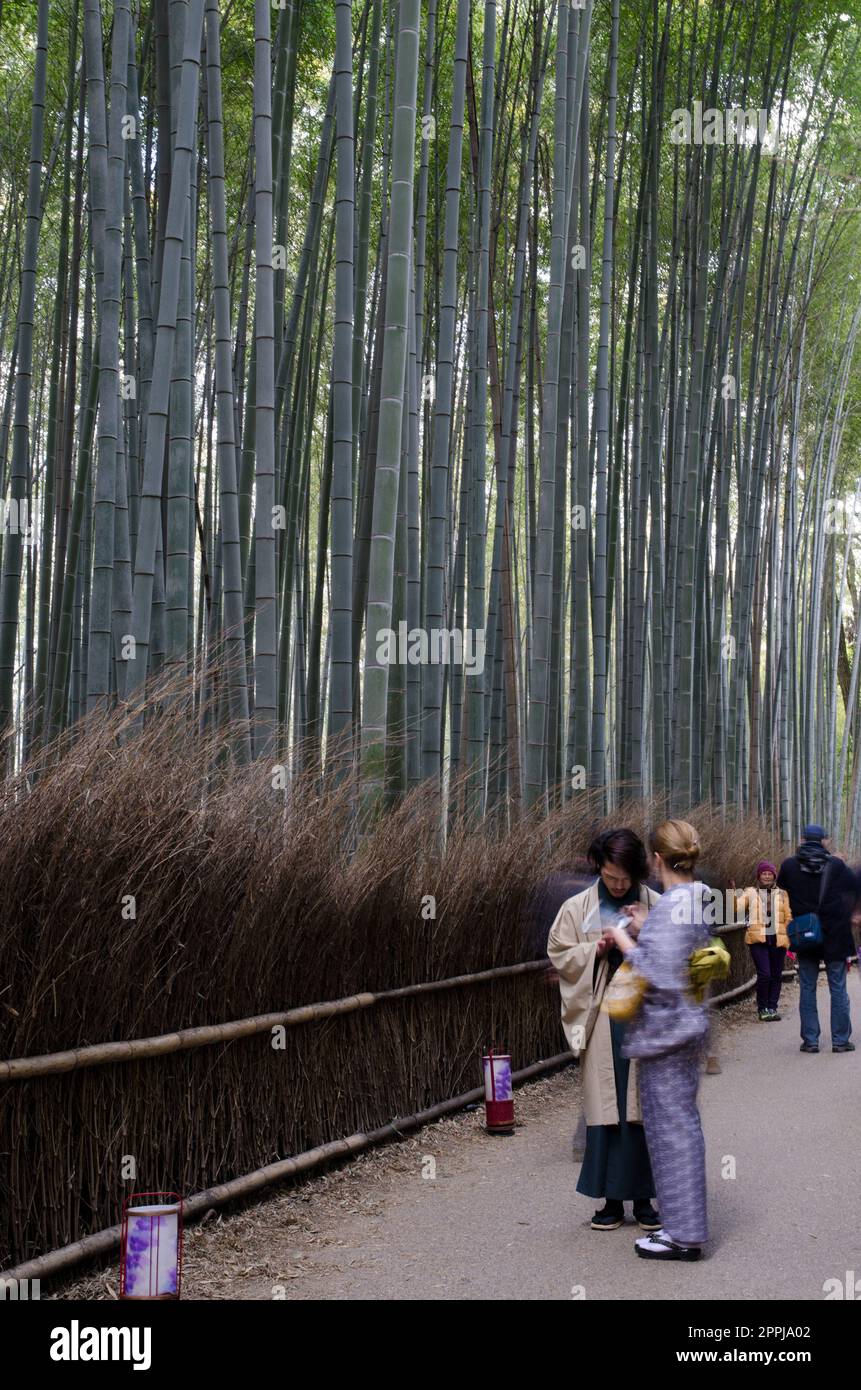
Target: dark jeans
808 978
768 960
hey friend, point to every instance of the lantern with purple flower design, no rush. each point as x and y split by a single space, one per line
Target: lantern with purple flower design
498 1093
151 1250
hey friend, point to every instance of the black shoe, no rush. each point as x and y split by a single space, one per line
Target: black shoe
773 1016
660 1246
609 1218
646 1217
808 1047
844 1047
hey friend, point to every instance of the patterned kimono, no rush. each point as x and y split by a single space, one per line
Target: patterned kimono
668 1037
616 1162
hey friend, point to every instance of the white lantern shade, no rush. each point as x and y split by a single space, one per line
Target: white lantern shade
152 1251
497 1078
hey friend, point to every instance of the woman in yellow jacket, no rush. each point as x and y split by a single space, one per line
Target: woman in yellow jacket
767 910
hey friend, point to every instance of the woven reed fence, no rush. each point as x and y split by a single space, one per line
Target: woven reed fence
211 1104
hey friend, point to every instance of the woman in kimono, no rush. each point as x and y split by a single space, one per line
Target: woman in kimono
668 1037
616 1162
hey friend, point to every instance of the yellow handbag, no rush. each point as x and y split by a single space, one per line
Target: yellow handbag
708 963
624 994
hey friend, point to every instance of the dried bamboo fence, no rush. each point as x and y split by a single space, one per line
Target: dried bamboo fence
197 1107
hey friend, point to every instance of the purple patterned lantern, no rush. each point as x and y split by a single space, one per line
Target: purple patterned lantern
151 1258
498 1093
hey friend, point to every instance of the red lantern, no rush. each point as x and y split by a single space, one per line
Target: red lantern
498 1093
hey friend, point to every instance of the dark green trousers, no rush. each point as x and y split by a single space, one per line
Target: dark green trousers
616 1162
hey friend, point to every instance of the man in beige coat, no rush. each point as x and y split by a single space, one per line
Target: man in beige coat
615 1164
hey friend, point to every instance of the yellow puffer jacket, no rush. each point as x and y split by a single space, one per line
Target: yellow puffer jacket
750 902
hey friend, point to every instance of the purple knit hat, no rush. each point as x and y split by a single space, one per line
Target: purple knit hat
764 866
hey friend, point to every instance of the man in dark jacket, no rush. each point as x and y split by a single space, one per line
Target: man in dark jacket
819 882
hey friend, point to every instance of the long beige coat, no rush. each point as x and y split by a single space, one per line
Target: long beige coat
571 947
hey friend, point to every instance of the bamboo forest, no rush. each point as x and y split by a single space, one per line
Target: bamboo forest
452 393
430 435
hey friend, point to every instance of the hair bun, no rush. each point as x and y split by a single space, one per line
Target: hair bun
677 843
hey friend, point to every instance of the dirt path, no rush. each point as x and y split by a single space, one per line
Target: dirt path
499 1218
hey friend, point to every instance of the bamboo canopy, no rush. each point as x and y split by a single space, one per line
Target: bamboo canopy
441 392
